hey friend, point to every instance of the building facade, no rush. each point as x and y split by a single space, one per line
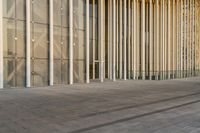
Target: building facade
53 42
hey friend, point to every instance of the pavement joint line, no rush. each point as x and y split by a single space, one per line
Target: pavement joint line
133 117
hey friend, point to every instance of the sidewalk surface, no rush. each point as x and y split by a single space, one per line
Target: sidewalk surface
171 106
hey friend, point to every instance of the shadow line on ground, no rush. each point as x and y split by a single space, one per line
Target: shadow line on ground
133 117
138 105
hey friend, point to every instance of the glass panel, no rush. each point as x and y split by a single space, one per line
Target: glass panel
9 8
20 39
9 35
79 12
65 13
97 70
79 40
61 71
79 6
57 12
57 42
40 72
14 72
96 29
40 8
14 46
65 72
57 72
20 12
91 8
79 71
91 28
96 8
40 46
79 47
79 21
20 72
9 72
60 55
91 51
65 43
96 47
40 43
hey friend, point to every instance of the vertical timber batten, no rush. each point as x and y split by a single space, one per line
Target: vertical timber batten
28 44
120 39
137 39
185 38
143 40
129 43
173 36
70 42
117 39
181 37
1 44
110 39
163 38
114 41
169 39
93 41
177 37
157 40
101 41
131 39
134 38
87 43
125 31
193 33
51 73
151 39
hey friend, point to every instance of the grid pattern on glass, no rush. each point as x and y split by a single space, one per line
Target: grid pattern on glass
40 42
14 43
79 72
61 44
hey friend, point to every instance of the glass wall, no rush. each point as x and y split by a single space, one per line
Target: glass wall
165 45
14 42
79 41
40 42
61 44
197 37
94 48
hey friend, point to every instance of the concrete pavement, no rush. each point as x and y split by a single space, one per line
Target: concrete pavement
171 106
